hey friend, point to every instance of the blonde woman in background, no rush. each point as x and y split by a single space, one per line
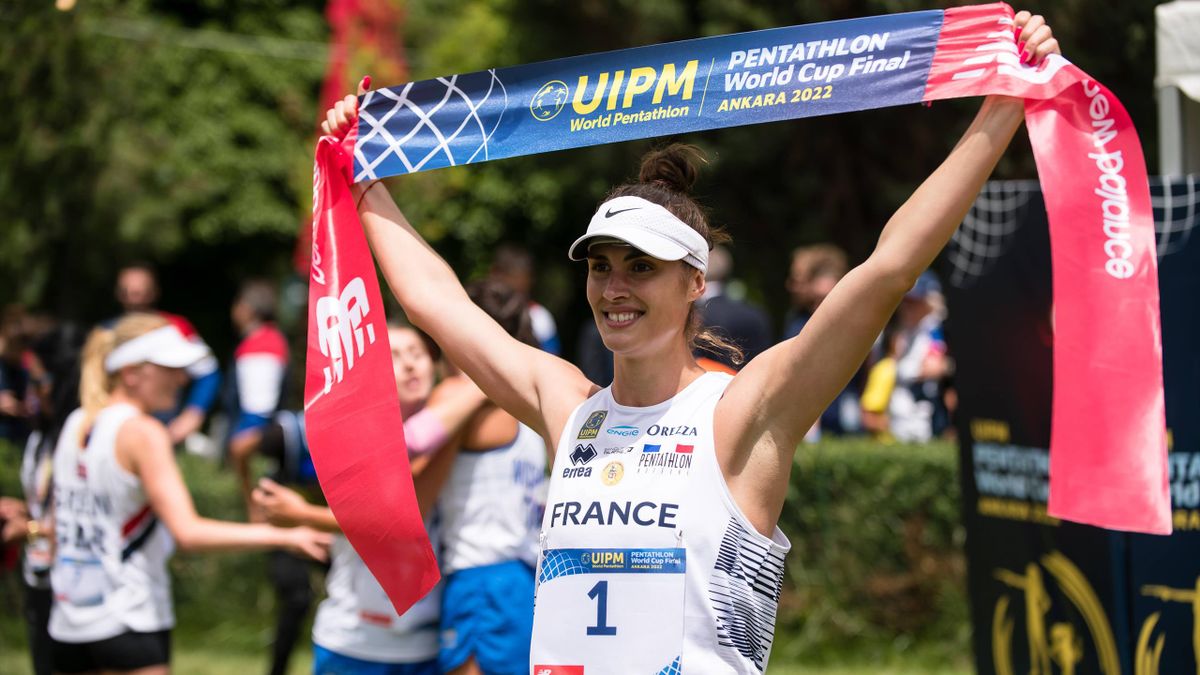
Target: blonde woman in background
120 505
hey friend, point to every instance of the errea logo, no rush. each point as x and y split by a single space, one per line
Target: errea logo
580 456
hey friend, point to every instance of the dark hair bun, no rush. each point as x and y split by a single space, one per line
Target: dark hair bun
674 167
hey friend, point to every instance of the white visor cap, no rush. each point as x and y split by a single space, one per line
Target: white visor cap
647 227
164 346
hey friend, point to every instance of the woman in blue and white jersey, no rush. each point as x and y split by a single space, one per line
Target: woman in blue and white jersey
489 511
659 548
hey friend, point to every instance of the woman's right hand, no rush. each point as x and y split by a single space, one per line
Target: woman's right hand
344 113
308 542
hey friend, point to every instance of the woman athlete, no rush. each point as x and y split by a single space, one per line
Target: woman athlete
120 505
356 630
660 551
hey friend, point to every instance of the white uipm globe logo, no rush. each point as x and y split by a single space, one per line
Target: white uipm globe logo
430 124
340 331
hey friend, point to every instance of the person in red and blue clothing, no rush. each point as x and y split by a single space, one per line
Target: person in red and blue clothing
254 394
137 291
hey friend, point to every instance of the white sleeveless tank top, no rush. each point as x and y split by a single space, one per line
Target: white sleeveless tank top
647 564
358 620
110 563
491 506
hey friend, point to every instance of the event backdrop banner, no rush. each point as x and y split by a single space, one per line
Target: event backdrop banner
1048 595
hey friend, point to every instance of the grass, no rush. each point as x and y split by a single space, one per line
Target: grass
193 659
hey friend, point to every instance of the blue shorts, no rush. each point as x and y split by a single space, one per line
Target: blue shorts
326 662
248 421
487 612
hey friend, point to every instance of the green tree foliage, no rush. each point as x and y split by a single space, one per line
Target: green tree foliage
161 131
182 132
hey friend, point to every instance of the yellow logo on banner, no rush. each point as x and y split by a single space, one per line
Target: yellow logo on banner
1148 655
1060 643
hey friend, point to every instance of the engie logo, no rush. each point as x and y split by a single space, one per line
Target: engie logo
341 333
623 430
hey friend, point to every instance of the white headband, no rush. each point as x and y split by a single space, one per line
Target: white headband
647 227
164 346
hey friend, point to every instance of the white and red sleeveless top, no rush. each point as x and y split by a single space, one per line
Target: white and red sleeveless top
356 619
110 563
647 565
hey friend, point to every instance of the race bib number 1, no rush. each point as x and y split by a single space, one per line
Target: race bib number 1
610 610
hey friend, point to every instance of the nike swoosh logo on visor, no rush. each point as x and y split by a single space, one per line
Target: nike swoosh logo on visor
610 213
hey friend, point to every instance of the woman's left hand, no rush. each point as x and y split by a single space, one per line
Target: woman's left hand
1034 39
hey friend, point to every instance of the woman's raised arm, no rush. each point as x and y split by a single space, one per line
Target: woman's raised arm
537 388
777 397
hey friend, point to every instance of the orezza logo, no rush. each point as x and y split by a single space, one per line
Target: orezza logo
623 430
591 427
681 430
549 100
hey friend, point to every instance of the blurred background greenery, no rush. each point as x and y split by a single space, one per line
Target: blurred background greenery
181 132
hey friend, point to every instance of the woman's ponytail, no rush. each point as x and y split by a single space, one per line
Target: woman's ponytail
95 383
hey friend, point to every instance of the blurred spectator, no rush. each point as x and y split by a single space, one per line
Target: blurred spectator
53 364
745 325
592 357
815 270
881 382
512 265
254 390
922 363
137 291
14 378
256 379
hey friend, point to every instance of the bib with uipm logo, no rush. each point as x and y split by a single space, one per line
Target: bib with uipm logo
647 565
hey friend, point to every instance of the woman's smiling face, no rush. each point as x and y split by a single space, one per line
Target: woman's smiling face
640 303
